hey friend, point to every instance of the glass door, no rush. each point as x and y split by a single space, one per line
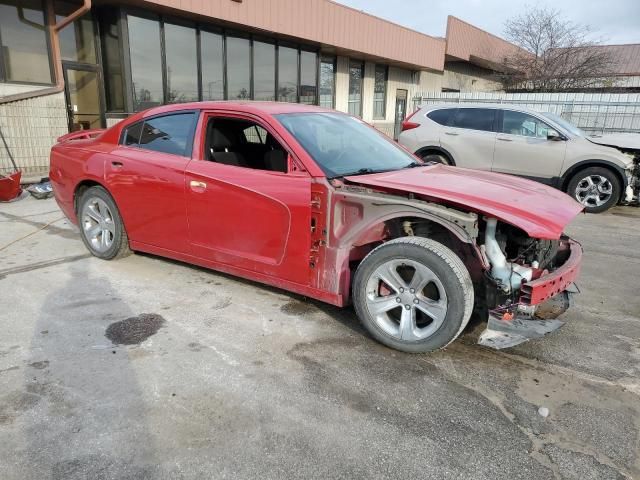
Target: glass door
84 99
401 111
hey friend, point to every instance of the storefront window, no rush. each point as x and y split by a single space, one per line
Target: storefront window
355 88
287 74
308 78
182 64
112 60
146 64
238 68
264 71
212 66
327 82
380 92
24 51
77 40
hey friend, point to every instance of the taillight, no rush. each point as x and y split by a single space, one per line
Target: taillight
407 125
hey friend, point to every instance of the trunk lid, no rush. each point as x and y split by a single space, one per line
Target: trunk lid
539 210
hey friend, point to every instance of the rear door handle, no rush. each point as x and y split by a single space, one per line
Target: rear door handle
198 187
504 139
452 133
116 164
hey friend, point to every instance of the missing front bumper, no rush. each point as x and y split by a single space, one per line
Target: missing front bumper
523 327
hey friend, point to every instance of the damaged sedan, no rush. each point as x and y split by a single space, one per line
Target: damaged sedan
319 203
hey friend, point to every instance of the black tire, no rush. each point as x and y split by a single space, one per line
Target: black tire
436 158
120 242
441 261
595 172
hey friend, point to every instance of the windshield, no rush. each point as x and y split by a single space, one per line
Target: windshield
343 145
569 127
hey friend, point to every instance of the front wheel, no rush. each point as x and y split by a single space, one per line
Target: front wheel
596 188
413 294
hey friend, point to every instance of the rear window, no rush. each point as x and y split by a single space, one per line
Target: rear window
167 134
443 117
132 134
475 119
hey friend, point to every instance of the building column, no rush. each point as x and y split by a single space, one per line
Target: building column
342 84
368 85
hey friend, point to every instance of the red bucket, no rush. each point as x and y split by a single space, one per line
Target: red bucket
10 186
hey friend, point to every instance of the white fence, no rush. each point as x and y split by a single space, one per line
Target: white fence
592 112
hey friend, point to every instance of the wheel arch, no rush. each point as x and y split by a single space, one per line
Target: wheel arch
434 149
584 164
81 187
353 248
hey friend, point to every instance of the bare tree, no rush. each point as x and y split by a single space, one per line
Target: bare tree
555 54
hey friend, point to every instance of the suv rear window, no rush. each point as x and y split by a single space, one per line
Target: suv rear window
443 116
475 119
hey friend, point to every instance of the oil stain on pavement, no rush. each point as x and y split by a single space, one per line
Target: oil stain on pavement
134 330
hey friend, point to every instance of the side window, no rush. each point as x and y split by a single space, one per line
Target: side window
475 119
518 123
443 116
169 134
255 134
132 134
243 143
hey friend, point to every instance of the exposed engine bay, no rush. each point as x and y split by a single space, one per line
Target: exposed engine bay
518 261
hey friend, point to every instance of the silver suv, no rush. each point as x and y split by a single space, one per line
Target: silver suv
518 141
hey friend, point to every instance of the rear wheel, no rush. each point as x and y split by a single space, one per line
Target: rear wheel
413 294
436 158
596 188
101 226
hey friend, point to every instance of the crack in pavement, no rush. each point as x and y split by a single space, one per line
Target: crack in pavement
38 265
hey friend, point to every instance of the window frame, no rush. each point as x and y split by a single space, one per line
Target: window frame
385 93
48 13
188 153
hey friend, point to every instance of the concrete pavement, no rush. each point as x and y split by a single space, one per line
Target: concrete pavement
232 379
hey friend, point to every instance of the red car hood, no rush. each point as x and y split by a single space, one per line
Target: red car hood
541 211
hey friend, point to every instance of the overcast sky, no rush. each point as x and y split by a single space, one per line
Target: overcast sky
617 21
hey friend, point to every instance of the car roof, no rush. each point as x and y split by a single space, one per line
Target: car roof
505 106
269 108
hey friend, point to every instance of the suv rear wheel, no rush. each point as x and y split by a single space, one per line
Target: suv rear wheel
596 188
413 294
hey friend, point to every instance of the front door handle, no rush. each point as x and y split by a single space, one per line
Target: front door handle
116 164
452 133
198 187
505 139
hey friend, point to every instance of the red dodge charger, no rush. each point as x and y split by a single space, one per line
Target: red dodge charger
319 203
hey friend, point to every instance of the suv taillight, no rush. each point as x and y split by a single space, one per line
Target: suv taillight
407 125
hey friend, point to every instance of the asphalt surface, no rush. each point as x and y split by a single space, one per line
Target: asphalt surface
148 368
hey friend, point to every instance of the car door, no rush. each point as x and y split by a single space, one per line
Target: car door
245 206
470 137
145 175
522 148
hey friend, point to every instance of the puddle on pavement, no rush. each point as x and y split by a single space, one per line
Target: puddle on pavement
134 330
